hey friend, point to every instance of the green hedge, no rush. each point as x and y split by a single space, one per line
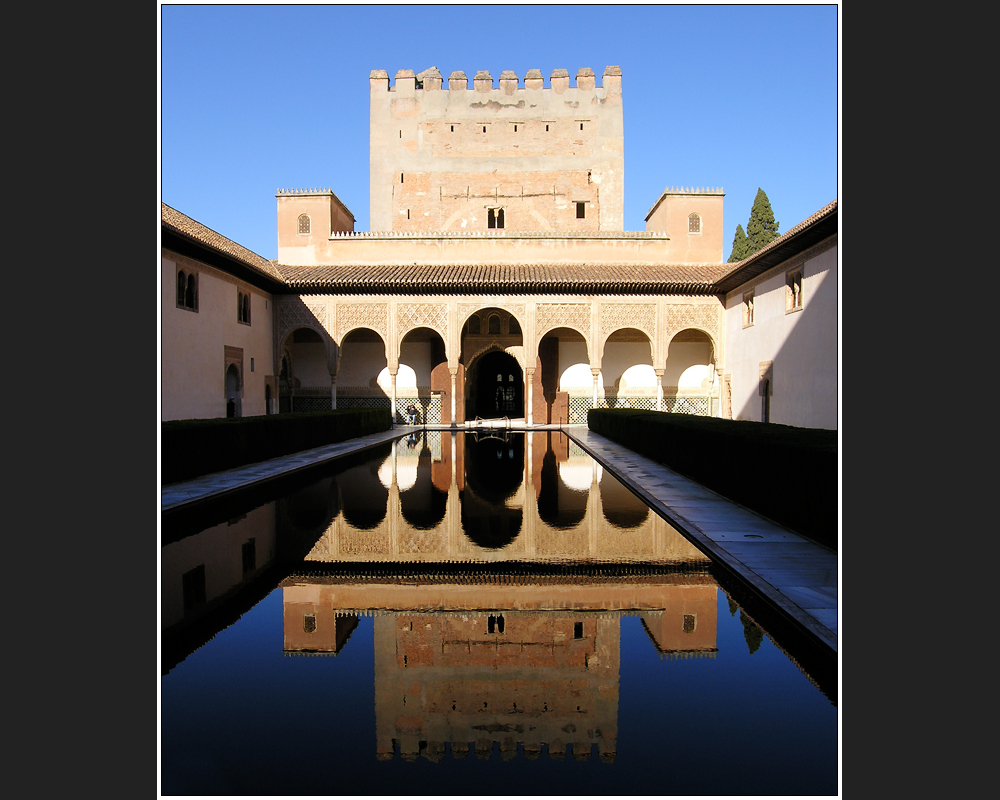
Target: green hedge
785 473
193 447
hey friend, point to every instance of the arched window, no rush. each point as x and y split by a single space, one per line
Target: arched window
694 223
243 307
304 223
474 324
494 324
513 326
187 290
191 293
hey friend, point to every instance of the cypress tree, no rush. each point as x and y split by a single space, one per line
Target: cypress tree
762 227
739 244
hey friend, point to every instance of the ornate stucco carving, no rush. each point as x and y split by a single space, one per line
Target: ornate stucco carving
517 309
298 313
422 315
701 315
562 315
363 315
628 315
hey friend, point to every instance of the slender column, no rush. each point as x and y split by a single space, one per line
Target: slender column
595 373
392 394
659 389
333 390
454 408
529 378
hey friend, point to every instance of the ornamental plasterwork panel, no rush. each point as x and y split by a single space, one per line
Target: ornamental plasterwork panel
298 313
630 315
363 315
517 309
703 316
562 315
417 315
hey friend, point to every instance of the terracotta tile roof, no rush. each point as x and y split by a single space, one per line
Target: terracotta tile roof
174 220
504 278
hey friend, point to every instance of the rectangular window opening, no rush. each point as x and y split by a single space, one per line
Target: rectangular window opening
581 210
577 630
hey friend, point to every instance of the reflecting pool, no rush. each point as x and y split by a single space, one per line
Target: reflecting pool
473 614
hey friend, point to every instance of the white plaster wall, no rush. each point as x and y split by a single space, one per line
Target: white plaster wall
688 364
416 356
192 350
309 365
802 345
360 362
619 357
574 369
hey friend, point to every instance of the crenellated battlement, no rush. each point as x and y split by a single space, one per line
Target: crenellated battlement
407 81
302 191
692 190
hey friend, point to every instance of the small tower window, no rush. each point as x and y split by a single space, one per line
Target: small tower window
305 226
494 218
748 309
694 223
581 210
243 308
187 290
793 290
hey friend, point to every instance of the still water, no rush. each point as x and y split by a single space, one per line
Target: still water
463 614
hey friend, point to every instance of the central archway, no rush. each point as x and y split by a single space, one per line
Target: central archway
496 388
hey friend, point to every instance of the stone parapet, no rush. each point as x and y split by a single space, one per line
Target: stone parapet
480 247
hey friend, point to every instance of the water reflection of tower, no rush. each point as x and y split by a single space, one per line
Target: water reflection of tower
549 678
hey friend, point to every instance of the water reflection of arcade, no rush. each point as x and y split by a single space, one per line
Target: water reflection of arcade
524 663
488 496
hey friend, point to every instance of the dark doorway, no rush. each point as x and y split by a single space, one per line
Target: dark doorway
497 387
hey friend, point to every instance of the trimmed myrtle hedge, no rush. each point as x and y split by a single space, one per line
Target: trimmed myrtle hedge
785 473
193 447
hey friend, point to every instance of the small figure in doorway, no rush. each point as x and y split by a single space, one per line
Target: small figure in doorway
411 414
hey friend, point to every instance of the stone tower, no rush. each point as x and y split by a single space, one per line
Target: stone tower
461 158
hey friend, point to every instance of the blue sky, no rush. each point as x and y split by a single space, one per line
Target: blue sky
254 98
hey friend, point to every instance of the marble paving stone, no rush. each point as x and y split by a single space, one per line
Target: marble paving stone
787 568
